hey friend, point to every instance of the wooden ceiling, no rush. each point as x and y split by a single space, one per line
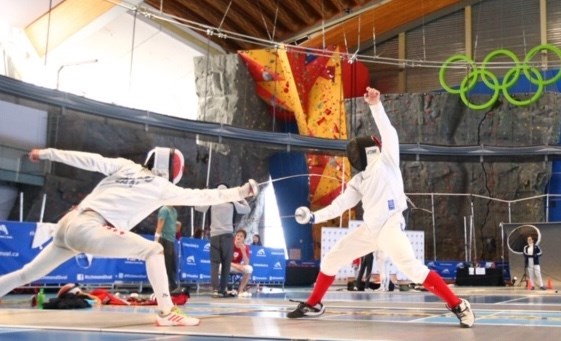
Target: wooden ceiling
251 24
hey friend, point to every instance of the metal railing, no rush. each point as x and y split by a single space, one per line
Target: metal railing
419 202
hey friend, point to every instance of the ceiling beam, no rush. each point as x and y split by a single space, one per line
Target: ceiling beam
382 18
63 21
192 38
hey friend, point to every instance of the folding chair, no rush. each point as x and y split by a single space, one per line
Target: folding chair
234 279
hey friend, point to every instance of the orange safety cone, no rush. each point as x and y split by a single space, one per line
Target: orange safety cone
528 284
549 284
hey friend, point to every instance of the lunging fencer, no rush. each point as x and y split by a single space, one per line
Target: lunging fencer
100 225
379 184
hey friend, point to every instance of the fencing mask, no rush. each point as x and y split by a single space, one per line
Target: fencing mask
166 162
70 288
363 150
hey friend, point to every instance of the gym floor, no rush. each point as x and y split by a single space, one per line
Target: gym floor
505 313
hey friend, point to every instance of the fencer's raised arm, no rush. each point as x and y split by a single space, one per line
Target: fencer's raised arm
388 133
87 161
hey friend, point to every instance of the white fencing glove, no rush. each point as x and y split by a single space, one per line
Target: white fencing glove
249 189
303 215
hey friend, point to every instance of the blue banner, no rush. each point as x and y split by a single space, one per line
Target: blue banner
446 269
194 266
269 265
15 245
16 240
131 269
82 269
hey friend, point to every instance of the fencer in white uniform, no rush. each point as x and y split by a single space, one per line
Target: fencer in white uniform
379 185
100 225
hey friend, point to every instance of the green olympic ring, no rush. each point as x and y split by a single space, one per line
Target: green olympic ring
531 55
512 76
540 83
453 59
508 53
494 85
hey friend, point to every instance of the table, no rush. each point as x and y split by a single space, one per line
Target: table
479 277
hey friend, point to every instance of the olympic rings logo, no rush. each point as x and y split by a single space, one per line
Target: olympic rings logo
510 78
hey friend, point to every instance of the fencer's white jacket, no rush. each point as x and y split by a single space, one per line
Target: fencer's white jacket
379 186
130 192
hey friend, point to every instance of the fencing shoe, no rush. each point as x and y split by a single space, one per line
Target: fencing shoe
176 318
464 313
306 310
244 294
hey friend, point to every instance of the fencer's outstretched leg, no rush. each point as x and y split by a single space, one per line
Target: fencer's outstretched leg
45 262
89 235
169 314
348 248
401 252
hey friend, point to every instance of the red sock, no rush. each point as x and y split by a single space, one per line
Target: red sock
435 284
323 282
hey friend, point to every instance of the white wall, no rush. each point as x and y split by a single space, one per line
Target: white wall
22 127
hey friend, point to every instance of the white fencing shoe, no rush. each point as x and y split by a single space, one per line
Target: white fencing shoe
464 313
176 318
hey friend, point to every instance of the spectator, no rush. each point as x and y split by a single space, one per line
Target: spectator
167 228
256 240
366 263
222 241
199 233
532 253
240 262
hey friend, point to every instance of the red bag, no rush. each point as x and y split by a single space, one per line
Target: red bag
107 298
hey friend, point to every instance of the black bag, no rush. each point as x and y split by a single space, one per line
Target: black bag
68 301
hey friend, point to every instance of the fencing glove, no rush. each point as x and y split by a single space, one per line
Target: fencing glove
303 215
249 189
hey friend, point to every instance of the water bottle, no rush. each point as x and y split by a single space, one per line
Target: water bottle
40 298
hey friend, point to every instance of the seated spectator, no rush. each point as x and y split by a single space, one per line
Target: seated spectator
256 240
240 262
199 233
